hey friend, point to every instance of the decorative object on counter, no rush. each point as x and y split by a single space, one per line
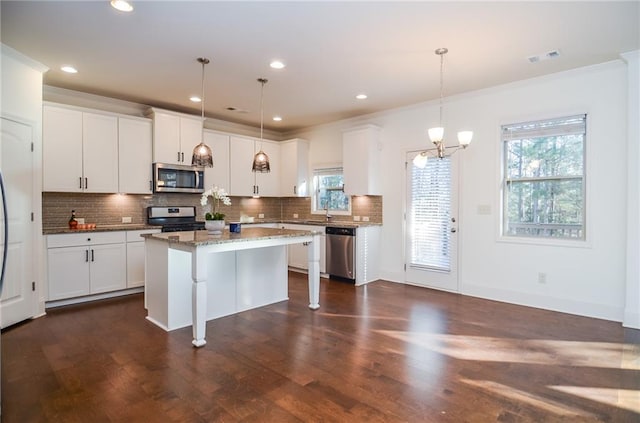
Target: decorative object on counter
235 227
261 160
202 155
73 223
437 134
217 195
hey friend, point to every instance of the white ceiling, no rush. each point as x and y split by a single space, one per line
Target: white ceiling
333 50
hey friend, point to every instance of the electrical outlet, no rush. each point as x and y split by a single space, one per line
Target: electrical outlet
542 278
126 219
295 215
80 220
356 218
365 218
260 215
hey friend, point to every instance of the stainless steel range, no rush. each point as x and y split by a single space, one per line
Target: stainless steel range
174 219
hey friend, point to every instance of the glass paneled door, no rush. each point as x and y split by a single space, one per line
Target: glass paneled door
431 250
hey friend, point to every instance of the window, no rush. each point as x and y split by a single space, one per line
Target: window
328 191
543 183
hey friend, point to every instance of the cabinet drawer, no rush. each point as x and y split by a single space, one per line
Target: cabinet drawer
86 238
134 236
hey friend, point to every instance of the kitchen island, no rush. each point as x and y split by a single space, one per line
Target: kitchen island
227 273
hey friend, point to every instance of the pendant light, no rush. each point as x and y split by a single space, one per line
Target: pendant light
261 160
436 135
202 155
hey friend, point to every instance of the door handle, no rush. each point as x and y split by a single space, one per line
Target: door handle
453 230
80 182
86 183
182 157
86 255
92 258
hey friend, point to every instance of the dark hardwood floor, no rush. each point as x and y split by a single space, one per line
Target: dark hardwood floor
383 352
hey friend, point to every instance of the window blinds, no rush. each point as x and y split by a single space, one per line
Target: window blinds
430 214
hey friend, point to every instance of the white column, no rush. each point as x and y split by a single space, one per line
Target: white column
314 273
632 299
199 296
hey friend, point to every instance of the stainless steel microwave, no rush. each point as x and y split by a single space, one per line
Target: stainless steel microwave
177 178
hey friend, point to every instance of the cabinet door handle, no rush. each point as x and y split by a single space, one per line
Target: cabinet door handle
92 258
80 182
295 190
151 186
182 157
178 156
86 255
86 183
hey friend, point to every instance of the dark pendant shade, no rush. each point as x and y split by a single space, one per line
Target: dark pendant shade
202 155
261 163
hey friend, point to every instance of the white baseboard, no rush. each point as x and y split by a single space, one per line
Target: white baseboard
563 305
631 319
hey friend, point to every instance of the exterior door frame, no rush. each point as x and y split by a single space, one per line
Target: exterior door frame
436 279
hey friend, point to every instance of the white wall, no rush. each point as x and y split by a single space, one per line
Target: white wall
21 94
587 280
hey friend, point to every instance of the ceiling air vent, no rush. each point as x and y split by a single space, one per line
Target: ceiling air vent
545 56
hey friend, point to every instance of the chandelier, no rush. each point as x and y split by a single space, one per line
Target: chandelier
436 135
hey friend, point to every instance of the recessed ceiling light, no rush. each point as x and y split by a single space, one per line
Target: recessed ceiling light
195 99
68 69
277 64
277 118
361 96
121 5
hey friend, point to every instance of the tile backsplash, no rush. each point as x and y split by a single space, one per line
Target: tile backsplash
109 209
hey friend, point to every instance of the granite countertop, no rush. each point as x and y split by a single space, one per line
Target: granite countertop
138 227
99 228
317 222
202 238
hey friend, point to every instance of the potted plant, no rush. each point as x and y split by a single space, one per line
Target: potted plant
214 220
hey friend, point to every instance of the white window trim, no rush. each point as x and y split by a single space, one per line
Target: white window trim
587 241
313 210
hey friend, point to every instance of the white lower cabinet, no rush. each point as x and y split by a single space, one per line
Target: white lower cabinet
298 253
135 257
86 263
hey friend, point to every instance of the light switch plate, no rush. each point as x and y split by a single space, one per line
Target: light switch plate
80 220
365 218
126 219
260 215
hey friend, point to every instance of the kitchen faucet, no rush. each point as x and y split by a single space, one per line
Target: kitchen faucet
326 209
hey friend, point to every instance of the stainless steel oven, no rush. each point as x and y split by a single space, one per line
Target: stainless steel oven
177 178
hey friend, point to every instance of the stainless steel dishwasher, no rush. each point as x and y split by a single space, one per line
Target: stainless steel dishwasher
341 253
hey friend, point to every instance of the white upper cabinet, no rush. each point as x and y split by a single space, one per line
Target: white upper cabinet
61 149
174 136
100 152
218 175
294 175
268 184
243 181
135 137
80 151
360 160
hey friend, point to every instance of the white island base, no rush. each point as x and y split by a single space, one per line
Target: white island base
192 277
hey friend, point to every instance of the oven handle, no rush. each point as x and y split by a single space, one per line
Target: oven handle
197 179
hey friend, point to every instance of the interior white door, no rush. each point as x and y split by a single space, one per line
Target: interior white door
16 161
431 251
